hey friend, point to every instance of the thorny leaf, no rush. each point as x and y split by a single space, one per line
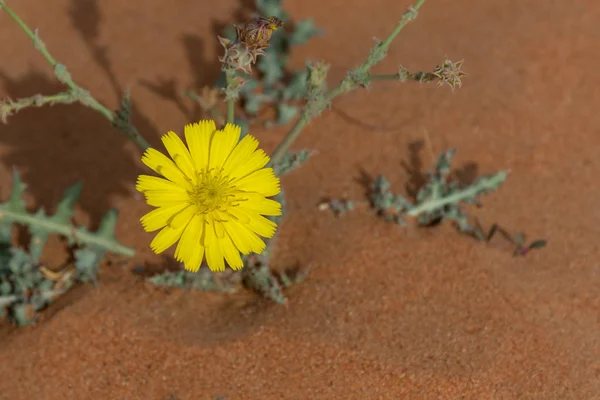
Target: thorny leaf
304 31
291 160
438 199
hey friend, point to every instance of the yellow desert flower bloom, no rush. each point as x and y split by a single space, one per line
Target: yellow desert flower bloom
211 196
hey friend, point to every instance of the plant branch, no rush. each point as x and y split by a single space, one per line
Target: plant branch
9 107
76 92
76 234
354 78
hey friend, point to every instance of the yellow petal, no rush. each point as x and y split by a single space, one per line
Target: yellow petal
241 153
222 144
162 165
232 255
195 261
244 239
256 222
262 182
165 239
179 153
190 239
260 204
161 198
159 217
147 182
256 161
183 218
214 254
198 137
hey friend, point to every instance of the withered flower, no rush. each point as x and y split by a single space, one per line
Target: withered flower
257 32
449 73
251 40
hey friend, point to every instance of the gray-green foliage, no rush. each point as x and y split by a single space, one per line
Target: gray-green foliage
276 86
23 287
440 198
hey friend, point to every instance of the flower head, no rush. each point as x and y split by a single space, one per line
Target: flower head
211 196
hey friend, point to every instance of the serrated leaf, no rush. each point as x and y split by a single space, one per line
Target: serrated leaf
270 8
15 202
5 233
87 258
290 161
479 187
249 87
19 259
285 113
5 237
303 31
87 261
22 314
66 206
252 104
5 288
297 88
108 225
271 68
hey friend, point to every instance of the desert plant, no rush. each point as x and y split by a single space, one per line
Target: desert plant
440 198
198 198
27 286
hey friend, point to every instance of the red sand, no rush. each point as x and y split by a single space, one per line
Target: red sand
383 314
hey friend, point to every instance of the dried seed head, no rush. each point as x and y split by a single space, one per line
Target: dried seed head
251 40
449 73
257 32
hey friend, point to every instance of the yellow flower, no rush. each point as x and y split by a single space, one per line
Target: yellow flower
212 196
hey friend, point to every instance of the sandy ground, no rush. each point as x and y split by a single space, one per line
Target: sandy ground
384 314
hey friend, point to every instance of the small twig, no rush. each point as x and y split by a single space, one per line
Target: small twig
76 92
10 107
353 79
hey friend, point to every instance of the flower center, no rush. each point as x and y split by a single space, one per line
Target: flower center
212 192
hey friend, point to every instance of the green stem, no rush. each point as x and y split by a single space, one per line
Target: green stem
346 85
62 74
230 75
32 35
68 231
290 138
483 185
408 16
383 77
